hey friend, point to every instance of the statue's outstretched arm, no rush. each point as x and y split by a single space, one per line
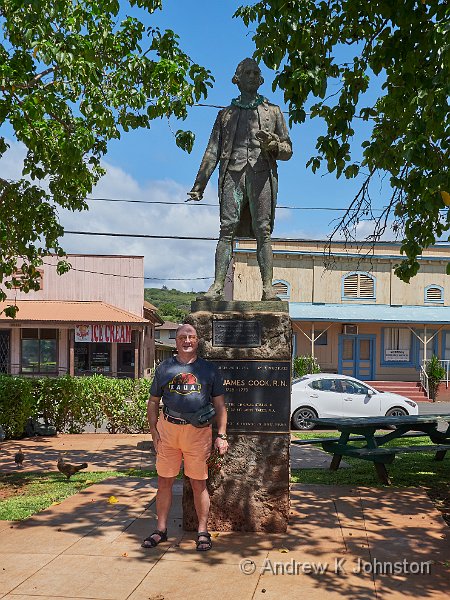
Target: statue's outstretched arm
209 161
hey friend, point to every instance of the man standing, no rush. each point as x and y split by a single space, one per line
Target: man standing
186 383
248 138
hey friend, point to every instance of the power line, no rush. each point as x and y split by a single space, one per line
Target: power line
195 203
142 235
286 112
134 276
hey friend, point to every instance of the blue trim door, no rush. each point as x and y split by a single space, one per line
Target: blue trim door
356 356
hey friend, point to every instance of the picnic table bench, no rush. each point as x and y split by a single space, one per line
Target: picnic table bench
353 438
436 427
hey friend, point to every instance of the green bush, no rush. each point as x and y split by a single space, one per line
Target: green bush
71 403
17 404
122 403
305 365
60 402
436 373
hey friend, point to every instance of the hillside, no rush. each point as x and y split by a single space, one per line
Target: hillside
172 305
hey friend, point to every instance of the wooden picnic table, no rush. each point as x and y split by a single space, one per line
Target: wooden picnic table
436 427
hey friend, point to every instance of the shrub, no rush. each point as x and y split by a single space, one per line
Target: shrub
60 402
120 402
17 404
305 365
436 373
70 403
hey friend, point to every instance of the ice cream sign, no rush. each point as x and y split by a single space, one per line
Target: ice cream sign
112 333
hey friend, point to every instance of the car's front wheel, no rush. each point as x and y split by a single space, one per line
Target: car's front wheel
301 414
397 411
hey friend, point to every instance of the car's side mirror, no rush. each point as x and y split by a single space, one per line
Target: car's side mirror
370 392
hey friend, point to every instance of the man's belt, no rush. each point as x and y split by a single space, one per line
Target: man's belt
175 420
200 418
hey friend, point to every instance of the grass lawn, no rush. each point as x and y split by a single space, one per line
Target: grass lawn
24 494
408 470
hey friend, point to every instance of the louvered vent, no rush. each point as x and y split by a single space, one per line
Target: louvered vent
281 289
351 286
434 294
366 287
359 285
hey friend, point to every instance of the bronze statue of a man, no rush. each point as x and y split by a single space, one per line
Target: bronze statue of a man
248 138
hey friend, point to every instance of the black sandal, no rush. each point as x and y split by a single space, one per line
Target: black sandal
207 544
150 542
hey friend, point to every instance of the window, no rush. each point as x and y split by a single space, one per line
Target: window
282 288
352 387
157 334
39 351
325 385
358 285
172 334
92 357
322 340
434 293
397 345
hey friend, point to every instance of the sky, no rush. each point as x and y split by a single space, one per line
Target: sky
147 165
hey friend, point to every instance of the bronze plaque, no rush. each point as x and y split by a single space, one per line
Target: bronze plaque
236 333
257 394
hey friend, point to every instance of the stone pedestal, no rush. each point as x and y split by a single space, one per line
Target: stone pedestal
251 342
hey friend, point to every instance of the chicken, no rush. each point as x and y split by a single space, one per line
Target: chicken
19 457
67 469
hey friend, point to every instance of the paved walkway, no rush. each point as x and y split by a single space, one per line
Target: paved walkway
105 452
339 542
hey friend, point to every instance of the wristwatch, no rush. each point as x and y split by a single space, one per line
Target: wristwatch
222 436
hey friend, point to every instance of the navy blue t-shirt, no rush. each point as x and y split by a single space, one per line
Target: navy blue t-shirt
186 388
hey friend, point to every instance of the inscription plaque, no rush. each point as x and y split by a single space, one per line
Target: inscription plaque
236 334
257 394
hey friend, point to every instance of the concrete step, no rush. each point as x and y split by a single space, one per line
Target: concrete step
410 389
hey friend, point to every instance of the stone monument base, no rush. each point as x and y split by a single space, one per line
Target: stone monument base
251 342
251 492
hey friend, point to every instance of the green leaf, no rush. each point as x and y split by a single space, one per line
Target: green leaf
185 140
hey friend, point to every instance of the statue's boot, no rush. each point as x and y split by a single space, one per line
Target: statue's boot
265 260
222 261
269 294
215 292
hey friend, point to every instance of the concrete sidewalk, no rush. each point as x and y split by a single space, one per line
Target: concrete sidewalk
118 452
339 542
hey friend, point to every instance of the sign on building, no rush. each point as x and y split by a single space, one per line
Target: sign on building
396 355
110 333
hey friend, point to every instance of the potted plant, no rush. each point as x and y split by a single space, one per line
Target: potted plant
305 365
436 373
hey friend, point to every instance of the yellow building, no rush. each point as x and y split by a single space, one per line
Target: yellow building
349 309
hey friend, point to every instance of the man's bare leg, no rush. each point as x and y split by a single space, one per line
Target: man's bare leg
202 504
163 503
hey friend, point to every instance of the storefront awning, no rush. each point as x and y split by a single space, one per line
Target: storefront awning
69 312
369 313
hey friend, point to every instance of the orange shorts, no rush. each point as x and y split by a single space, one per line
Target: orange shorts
193 444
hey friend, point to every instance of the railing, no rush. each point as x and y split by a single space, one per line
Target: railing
446 365
424 381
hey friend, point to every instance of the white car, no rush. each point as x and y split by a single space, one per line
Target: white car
329 395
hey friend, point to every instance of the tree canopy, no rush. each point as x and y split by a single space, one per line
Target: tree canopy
73 76
76 74
406 45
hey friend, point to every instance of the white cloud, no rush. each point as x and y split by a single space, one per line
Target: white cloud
165 259
11 163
